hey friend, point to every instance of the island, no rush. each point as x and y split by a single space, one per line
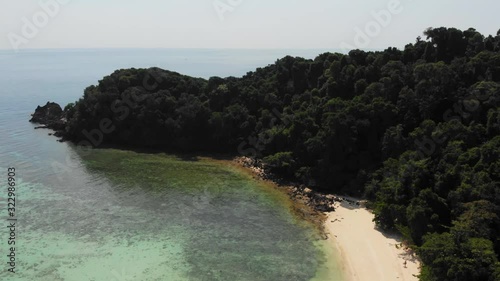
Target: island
414 132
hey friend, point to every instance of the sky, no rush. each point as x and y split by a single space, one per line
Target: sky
238 24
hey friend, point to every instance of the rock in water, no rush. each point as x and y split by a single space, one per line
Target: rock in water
50 115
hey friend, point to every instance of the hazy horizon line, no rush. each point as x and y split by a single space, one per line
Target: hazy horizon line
336 50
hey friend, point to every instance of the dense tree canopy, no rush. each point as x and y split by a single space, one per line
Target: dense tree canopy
417 131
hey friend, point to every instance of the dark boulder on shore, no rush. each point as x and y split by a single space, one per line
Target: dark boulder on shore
50 115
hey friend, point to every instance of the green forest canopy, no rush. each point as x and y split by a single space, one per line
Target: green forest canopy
416 131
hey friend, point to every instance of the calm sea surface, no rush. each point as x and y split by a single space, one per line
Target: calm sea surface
121 215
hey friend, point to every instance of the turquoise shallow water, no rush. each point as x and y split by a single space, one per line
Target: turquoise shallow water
116 215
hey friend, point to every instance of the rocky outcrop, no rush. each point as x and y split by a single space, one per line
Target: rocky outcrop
316 200
50 116
319 201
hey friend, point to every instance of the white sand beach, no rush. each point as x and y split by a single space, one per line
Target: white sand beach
367 254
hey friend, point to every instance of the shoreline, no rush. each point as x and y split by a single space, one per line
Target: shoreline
344 224
308 204
365 252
